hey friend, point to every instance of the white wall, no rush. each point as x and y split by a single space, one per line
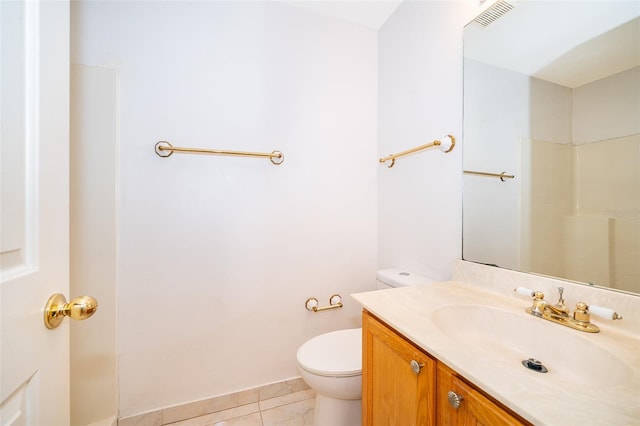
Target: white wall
561 207
510 119
93 233
606 156
495 142
217 255
607 108
419 100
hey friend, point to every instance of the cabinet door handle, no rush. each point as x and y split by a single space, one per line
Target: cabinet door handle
416 366
454 399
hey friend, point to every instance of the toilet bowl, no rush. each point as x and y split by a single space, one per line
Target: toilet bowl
331 363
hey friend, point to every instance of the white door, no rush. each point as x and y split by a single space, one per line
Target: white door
34 243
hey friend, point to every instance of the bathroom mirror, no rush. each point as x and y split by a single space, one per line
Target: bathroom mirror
552 100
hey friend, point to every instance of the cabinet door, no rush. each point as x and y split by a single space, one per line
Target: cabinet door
474 409
392 392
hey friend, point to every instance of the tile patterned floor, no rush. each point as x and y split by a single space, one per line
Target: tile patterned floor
286 403
295 409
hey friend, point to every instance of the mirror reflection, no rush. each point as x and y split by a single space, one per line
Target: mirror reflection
552 97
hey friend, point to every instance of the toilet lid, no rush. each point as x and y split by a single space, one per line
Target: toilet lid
335 354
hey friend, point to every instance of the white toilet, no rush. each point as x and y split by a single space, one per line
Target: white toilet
331 363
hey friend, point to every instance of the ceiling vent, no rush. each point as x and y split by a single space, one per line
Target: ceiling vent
498 9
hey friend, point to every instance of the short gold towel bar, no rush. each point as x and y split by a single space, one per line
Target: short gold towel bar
335 301
502 175
165 149
446 144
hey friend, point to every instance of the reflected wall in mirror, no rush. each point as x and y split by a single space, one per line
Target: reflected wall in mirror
552 96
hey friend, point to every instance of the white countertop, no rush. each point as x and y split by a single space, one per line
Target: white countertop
554 398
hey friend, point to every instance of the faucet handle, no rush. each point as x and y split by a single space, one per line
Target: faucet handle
539 304
538 295
582 313
605 313
523 291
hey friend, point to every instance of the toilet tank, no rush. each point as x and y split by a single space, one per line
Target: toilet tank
391 278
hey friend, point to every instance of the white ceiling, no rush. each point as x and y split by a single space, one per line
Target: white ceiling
370 13
541 38
607 54
566 42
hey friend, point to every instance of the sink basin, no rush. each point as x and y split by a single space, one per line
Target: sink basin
507 337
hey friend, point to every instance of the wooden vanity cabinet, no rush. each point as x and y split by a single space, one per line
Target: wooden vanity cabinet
475 408
394 394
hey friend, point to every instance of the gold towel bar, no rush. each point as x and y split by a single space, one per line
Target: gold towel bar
165 149
502 175
446 145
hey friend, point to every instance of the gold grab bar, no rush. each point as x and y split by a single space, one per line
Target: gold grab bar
502 175
444 144
165 149
335 301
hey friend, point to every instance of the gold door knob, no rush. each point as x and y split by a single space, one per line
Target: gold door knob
57 308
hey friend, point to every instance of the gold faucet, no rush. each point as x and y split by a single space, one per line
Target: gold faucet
559 313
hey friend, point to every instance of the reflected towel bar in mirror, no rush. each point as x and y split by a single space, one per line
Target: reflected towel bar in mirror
446 144
165 149
502 175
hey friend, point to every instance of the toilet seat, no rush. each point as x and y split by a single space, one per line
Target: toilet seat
334 354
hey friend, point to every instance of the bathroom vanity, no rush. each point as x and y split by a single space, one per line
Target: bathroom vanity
403 385
430 347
